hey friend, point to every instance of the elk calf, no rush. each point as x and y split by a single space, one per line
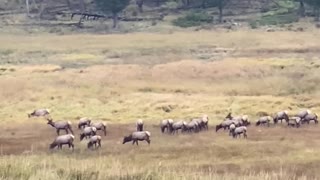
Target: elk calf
88 132
294 122
94 140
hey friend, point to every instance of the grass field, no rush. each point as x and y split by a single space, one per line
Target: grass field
120 78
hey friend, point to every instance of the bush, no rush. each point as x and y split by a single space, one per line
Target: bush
193 19
253 24
131 10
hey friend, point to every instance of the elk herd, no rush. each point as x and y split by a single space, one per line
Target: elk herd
236 126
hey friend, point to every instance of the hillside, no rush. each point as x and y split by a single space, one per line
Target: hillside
57 17
172 61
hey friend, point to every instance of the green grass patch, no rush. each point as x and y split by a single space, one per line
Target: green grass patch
276 19
6 52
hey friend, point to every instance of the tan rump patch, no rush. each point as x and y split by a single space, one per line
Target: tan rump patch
148 133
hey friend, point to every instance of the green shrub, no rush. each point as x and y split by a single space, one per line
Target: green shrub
132 10
6 52
253 24
193 19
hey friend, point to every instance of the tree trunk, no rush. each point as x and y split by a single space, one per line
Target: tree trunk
82 6
203 5
317 14
28 8
140 5
69 4
186 3
115 20
43 6
220 13
34 4
302 9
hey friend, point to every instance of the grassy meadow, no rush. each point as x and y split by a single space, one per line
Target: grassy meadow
120 78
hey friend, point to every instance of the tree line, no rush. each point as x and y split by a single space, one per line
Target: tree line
114 7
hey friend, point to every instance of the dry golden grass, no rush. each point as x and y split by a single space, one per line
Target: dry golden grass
120 78
144 48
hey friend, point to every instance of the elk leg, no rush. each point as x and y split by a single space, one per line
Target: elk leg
58 132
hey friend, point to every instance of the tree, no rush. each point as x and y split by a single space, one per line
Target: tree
316 5
140 5
302 9
186 3
220 4
112 6
28 8
82 6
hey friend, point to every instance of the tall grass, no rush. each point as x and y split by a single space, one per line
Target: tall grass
268 153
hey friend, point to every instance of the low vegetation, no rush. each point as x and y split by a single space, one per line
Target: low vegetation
277 19
268 153
194 19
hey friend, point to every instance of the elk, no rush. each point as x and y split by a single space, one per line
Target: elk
66 139
137 136
61 125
